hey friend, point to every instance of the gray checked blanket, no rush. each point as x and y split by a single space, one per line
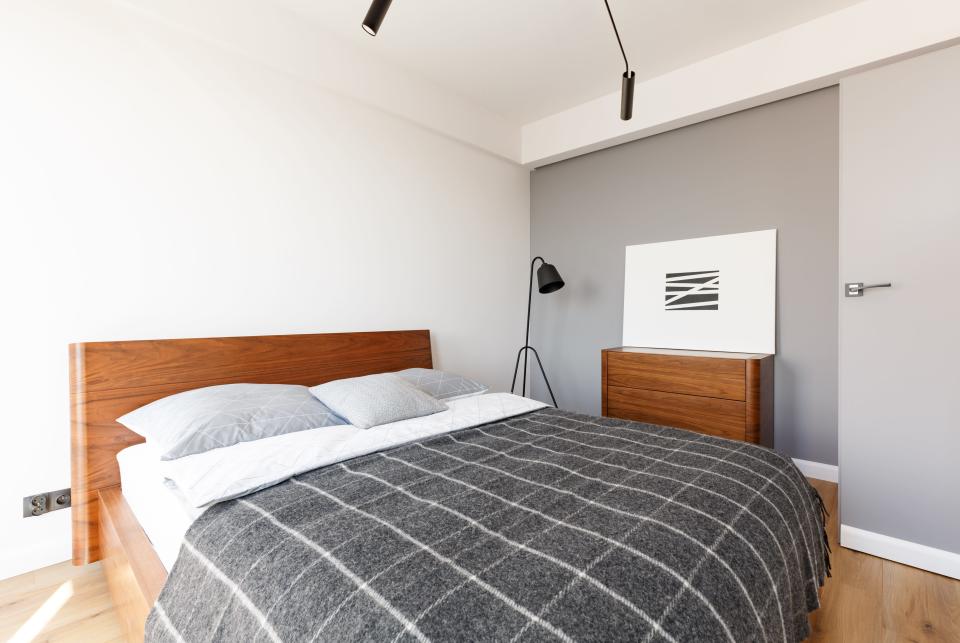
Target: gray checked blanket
545 526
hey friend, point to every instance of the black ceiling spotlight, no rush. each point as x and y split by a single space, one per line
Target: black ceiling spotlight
626 85
375 16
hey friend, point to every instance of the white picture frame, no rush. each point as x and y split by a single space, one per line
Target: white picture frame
711 293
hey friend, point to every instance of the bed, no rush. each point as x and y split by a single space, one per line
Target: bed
540 524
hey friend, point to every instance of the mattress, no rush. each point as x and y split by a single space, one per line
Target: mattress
158 505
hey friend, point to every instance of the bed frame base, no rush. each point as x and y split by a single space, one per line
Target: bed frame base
134 572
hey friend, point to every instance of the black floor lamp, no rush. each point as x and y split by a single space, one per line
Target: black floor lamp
548 280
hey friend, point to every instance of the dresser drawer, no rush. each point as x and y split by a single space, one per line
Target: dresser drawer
706 376
722 418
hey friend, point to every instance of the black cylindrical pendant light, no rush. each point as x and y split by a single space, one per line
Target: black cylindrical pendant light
626 85
626 95
375 16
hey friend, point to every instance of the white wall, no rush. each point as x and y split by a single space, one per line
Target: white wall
153 185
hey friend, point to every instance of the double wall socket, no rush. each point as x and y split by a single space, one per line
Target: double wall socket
43 503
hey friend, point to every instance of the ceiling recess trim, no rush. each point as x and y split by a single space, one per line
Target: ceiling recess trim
810 56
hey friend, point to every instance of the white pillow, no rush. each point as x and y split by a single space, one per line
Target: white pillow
373 400
442 385
211 417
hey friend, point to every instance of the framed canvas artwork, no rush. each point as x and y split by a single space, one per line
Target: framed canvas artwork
712 293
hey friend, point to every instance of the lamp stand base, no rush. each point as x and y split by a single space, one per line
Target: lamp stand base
516 368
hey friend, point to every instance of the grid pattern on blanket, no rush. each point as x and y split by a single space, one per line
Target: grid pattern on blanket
550 525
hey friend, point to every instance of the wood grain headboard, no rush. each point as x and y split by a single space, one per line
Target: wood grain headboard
109 379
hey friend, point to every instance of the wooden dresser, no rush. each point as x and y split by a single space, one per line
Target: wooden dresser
729 395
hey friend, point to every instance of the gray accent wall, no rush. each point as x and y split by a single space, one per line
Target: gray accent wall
774 166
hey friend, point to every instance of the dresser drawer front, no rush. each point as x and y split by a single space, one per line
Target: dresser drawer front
722 418
707 376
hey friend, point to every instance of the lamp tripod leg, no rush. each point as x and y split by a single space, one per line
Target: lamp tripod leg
516 368
544 373
523 382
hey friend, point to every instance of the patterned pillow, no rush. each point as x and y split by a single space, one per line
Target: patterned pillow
373 400
220 416
442 385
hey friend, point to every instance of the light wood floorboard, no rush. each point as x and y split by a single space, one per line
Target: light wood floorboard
59 603
868 600
872 600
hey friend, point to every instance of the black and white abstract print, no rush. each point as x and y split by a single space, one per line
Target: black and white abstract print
699 290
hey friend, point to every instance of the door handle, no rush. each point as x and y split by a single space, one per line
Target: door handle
856 289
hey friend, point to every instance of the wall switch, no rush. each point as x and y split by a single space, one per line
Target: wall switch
43 503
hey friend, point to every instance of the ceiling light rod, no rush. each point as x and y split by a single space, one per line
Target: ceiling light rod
375 16
626 85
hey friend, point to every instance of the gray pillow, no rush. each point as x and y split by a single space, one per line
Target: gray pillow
220 416
442 385
373 400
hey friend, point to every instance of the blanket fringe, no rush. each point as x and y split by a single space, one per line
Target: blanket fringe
824 514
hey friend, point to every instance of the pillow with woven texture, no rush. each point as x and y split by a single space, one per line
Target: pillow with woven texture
208 418
373 400
442 385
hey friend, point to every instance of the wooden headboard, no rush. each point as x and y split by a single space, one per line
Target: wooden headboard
109 379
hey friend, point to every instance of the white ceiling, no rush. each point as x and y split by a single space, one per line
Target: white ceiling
526 59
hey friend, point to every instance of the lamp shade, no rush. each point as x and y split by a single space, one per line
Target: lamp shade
548 279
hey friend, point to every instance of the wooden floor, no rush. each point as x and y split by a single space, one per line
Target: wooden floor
58 603
872 600
868 600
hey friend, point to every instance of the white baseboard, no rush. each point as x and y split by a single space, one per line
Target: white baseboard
818 470
938 561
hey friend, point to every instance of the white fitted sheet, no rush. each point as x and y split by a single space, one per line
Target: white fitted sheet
158 505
